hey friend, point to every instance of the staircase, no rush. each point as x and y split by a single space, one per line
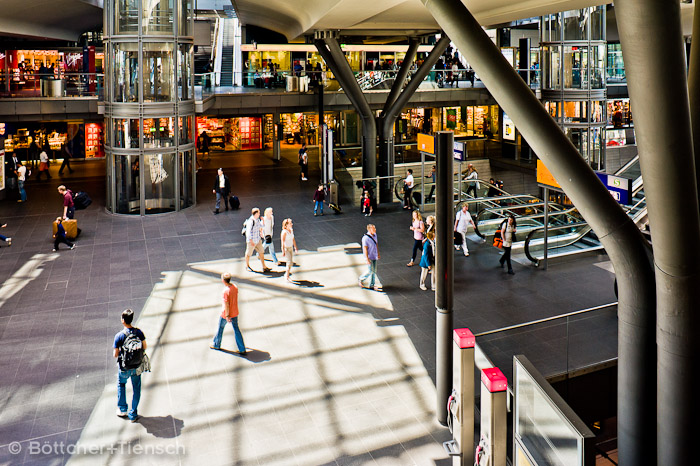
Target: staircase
227 53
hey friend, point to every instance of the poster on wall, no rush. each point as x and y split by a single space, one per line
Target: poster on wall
508 128
451 118
2 171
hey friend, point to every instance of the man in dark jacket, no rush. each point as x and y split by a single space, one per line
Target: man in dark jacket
222 188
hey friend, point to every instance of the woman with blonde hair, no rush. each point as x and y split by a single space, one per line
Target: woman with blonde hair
289 246
268 222
418 229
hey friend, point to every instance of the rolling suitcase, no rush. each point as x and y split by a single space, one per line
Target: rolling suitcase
71 227
81 200
234 202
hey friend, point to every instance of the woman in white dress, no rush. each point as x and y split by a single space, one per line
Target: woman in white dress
268 222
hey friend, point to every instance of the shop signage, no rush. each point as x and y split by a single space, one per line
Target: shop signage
460 151
508 128
620 188
426 143
545 177
451 114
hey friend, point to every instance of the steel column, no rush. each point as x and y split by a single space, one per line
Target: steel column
652 45
694 91
403 73
335 58
621 238
444 268
392 109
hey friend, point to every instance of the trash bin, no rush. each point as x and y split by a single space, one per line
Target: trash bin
55 87
333 192
292 84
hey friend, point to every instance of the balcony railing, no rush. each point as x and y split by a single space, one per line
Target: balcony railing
18 85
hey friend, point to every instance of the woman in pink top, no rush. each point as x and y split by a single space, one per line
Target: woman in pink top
418 229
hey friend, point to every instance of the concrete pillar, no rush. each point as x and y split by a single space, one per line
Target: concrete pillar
652 45
693 60
623 241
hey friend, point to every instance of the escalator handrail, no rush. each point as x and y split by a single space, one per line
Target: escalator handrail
624 168
551 214
526 247
557 209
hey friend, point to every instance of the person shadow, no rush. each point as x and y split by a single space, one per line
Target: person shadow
252 355
307 284
162 426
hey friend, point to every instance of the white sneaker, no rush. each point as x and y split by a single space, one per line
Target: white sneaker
9 241
466 254
121 413
457 248
422 287
73 247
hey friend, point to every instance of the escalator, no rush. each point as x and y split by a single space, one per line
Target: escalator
578 237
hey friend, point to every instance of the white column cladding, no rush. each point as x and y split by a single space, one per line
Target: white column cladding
149 105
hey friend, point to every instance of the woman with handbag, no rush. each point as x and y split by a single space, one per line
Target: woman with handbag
268 222
508 229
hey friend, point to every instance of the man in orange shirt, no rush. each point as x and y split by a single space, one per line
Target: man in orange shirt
229 313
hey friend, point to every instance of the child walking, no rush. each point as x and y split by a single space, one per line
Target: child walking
60 236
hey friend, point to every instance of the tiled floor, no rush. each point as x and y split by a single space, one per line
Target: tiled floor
339 375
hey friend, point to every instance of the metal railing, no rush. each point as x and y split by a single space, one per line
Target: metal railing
65 84
556 333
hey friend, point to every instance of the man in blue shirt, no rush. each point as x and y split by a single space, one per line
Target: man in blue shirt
125 371
370 248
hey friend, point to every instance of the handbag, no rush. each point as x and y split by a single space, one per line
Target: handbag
497 239
268 239
458 238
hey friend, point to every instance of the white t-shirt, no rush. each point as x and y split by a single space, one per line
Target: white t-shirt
409 181
21 172
43 157
222 182
268 224
464 219
289 239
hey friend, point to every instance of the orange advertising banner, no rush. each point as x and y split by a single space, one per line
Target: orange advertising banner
545 177
426 143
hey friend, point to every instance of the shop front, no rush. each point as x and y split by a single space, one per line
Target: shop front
81 139
226 134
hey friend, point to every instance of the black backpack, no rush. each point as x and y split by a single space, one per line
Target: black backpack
131 351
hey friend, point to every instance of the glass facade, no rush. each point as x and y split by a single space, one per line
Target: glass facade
149 106
574 56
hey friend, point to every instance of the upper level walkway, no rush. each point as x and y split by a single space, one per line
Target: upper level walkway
36 101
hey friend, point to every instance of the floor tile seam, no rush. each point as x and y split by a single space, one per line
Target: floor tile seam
44 436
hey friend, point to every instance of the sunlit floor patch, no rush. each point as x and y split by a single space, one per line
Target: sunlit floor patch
331 374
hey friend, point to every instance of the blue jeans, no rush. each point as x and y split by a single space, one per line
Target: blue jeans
317 205
271 247
121 392
236 330
371 273
22 192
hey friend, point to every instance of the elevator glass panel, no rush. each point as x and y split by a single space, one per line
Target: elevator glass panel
126 72
159 182
157 17
186 179
126 133
126 16
576 24
158 73
185 127
127 182
184 72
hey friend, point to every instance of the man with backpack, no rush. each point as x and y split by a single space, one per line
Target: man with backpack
129 349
